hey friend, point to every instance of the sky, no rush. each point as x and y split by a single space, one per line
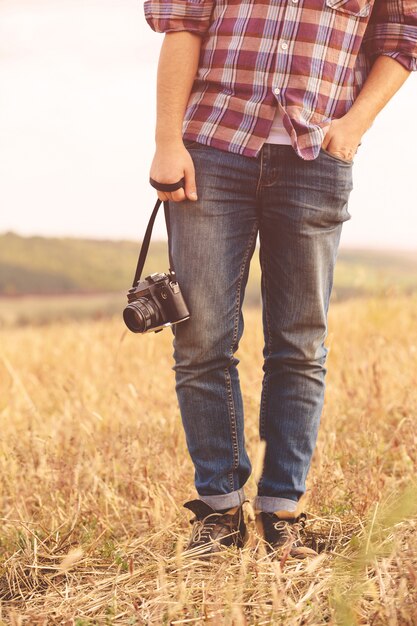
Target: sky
77 120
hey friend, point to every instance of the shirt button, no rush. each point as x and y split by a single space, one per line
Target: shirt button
277 90
295 1
284 45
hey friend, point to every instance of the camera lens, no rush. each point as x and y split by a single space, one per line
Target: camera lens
141 315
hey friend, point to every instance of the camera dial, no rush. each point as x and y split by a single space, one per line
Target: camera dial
155 277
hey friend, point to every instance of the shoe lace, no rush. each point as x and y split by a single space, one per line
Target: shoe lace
202 529
292 529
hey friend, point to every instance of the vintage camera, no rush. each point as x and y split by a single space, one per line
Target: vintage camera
154 303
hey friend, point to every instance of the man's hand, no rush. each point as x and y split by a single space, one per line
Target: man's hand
383 81
343 138
171 162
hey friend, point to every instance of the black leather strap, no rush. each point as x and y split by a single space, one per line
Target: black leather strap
167 186
147 238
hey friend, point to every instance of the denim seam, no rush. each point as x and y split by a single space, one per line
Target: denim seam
232 417
232 408
269 351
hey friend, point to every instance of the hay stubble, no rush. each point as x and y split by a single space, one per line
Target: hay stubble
94 471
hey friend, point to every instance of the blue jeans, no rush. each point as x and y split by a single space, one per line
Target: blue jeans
298 208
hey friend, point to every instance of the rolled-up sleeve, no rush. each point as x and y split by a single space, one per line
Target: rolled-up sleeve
392 31
165 16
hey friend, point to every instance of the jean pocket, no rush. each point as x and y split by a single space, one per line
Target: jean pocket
336 158
358 8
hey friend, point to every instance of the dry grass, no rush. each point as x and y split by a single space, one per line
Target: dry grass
94 472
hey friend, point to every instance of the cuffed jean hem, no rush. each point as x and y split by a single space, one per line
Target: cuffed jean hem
225 500
268 504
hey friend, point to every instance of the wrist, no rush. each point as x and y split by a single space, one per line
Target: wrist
359 118
168 140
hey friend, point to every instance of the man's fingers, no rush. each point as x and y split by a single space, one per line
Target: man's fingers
183 193
343 151
178 195
190 186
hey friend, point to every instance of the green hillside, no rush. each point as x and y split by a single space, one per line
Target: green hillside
45 267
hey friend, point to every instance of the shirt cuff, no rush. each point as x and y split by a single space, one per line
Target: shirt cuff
165 16
398 41
409 62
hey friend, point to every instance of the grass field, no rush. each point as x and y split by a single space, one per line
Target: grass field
94 472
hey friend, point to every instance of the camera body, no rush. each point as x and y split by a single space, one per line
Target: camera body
154 303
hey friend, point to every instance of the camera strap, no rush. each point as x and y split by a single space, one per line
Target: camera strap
147 238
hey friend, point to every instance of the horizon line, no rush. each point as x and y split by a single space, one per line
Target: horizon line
343 245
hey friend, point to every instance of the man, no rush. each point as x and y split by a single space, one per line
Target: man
261 106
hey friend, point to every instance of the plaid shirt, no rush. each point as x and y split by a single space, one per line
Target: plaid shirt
310 57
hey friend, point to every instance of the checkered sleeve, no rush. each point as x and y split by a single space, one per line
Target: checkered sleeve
165 16
392 31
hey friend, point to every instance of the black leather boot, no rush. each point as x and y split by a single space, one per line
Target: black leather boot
282 532
213 530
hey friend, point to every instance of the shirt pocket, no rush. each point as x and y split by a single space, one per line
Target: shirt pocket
358 8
